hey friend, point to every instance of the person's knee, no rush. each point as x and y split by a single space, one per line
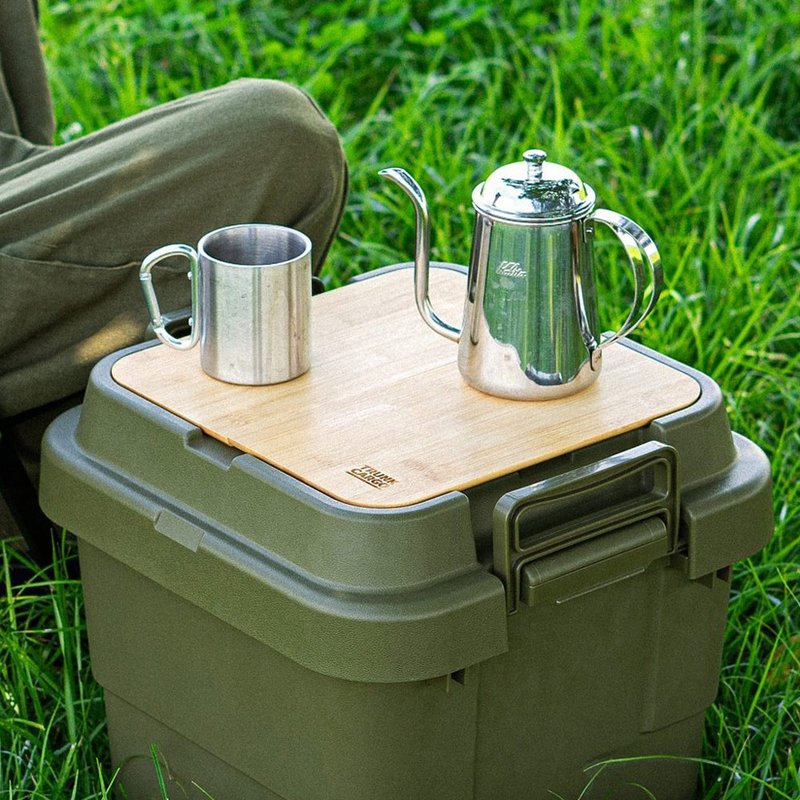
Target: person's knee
273 141
272 121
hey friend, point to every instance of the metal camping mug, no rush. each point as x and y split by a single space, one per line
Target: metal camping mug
251 302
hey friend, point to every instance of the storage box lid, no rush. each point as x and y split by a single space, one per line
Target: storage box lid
383 418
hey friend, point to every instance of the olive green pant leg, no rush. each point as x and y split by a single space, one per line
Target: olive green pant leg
25 105
26 120
76 220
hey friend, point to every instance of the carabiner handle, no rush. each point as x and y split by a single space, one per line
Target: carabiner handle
645 262
150 298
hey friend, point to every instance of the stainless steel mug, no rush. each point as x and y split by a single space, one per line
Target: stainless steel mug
251 302
530 329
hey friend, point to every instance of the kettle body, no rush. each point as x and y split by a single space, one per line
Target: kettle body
527 333
530 329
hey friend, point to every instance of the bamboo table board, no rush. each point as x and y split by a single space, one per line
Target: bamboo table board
383 419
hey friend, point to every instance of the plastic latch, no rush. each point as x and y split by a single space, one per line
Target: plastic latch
565 511
180 530
599 562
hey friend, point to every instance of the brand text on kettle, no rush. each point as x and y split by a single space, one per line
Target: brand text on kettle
511 269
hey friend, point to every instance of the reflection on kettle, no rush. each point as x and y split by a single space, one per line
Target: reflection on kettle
531 329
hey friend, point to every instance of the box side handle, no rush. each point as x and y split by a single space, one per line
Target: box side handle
540 520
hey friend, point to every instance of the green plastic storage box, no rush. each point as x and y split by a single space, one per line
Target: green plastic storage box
487 644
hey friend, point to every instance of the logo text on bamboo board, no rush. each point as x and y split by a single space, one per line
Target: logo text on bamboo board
374 477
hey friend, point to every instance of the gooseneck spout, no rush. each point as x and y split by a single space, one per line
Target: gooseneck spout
422 253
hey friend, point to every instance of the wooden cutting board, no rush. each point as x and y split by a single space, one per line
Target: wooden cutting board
383 419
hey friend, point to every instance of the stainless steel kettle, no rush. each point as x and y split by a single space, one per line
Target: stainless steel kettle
530 328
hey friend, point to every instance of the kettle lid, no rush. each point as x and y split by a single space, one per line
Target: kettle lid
534 190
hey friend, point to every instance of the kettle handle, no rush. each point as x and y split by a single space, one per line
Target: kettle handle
641 250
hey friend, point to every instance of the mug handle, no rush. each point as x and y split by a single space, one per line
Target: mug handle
152 301
641 250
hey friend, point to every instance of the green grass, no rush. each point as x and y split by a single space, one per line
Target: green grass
684 116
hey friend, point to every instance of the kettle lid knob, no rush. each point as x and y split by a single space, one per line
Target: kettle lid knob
534 159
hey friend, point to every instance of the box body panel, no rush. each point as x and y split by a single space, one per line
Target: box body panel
623 671
298 732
